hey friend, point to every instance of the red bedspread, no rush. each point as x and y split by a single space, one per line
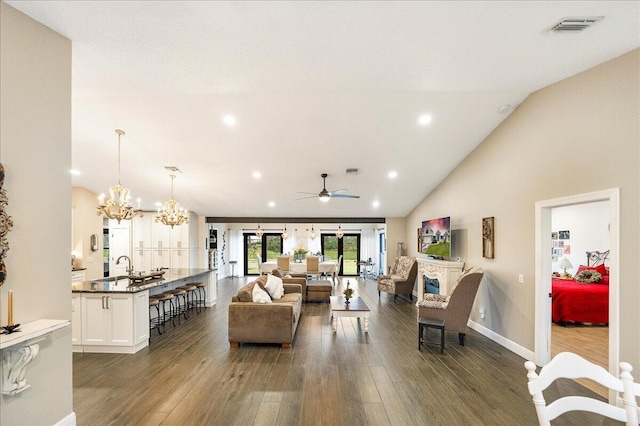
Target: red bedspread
574 301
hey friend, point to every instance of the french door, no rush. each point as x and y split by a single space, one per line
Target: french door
348 247
268 247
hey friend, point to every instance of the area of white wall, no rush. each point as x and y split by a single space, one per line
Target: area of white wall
35 150
588 226
590 121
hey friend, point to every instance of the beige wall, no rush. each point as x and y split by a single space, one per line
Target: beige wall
85 223
576 136
397 233
35 149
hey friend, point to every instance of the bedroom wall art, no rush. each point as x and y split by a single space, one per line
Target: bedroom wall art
488 231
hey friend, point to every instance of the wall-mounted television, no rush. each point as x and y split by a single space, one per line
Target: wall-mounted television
436 237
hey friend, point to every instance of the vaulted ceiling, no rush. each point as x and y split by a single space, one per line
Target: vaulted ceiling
311 88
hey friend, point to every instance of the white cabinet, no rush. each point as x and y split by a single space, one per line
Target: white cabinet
115 322
161 258
142 259
180 236
179 258
162 241
141 231
76 319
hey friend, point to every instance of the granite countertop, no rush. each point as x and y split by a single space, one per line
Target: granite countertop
124 285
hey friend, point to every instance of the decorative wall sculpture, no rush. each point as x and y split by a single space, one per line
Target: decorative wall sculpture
5 226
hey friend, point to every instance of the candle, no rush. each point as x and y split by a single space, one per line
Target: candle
10 319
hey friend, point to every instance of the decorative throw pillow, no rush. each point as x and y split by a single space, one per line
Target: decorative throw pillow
600 268
287 276
274 287
277 272
588 276
260 296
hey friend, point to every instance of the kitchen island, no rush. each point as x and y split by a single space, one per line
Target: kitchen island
111 315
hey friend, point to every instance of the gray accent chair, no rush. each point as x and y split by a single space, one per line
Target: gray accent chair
452 311
401 280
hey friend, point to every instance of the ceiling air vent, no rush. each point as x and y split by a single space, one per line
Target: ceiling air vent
573 25
173 169
352 171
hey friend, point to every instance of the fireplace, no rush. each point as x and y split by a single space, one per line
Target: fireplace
431 285
437 276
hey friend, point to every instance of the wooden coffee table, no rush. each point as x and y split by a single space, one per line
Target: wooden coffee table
356 308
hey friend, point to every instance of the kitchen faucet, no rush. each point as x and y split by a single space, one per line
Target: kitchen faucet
130 268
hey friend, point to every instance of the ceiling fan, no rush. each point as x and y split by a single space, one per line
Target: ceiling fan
325 195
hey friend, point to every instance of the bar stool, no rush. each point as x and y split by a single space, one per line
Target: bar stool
202 294
154 322
180 309
164 298
191 290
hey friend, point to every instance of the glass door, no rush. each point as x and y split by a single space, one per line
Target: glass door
252 249
348 246
268 247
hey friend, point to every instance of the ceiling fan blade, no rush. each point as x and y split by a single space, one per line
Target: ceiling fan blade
344 196
310 193
305 198
337 191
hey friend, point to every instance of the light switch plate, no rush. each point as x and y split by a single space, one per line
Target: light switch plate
521 278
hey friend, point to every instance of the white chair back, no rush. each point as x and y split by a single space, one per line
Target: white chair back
571 366
259 264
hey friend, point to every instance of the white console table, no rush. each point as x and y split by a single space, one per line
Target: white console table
20 348
446 272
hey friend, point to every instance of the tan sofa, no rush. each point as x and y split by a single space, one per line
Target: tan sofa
265 323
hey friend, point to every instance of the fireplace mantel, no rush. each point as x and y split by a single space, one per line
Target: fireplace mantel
446 272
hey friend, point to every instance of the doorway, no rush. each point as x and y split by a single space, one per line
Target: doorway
543 271
267 246
348 247
118 246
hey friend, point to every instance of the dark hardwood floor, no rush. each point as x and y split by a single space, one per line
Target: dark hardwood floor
190 375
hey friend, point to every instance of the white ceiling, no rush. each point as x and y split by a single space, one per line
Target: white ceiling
315 87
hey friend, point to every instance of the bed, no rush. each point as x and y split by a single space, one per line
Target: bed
574 301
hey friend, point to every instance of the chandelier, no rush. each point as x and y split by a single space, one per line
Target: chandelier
118 206
339 232
285 234
259 231
312 234
171 213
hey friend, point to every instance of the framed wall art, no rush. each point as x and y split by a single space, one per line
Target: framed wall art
488 232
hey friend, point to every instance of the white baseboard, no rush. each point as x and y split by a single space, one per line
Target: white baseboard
502 341
70 420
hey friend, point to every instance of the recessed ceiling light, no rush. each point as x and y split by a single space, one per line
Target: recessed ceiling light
504 108
272 204
256 175
74 172
393 174
424 119
158 204
376 204
229 120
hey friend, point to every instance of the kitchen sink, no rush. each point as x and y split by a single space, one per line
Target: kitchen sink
110 279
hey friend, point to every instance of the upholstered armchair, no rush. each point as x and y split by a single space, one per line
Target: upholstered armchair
452 311
400 281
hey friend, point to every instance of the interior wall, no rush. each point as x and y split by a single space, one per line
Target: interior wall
35 149
396 227
588 226
576 136
85 223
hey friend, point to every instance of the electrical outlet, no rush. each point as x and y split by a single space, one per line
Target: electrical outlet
483 312
89 259
521 278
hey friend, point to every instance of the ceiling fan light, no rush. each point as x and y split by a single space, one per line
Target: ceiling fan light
324 198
